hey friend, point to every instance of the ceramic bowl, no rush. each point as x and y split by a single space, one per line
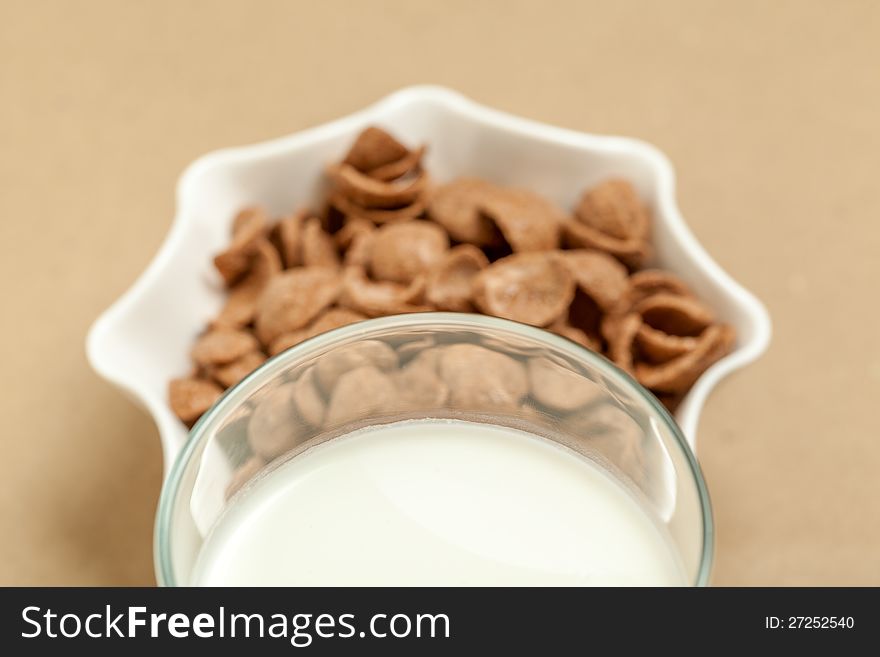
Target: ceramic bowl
143 340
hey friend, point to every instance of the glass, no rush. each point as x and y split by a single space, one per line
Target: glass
573 396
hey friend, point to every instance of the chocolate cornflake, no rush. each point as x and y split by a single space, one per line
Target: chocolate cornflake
402 252
292 299
533 288
480 378
611 218
190 397
450 282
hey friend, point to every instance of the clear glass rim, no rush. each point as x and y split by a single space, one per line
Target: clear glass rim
163 560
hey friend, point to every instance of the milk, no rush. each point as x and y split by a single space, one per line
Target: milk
437 502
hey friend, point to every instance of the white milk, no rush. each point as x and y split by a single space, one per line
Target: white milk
437 502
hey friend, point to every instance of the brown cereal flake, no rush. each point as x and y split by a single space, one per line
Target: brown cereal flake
249 227
293 299
374 148
419 387
528 221
614 209
190 397
456 207
274 427
318 249
330 319
620 333
450 283
403 251
609 431
658 347
230 374
360 393
406 164
376 298
675 315
482 379
631 252
308 398
599 276
222 345
370 193
679 374
288 238
566 330
374 216
241 304
358 354
558 387
533 288
649 282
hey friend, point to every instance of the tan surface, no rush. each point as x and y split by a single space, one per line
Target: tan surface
769 111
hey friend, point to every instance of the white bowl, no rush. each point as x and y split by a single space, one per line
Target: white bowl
144 339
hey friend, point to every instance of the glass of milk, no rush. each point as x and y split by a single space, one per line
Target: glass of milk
430 450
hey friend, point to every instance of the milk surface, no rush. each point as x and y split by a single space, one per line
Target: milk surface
437 502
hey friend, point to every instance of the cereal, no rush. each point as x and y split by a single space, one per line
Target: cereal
231 373
398 168
376 298
403 251
450 282
482 379
386 240
308 398
248 227
620 332
557 387
632 252
241 305
358 235
566 330
328 320
658 347
527 220
614 209
318 249
189 397
456 207
648 282
371 193
599 276
354 211
222 345
351 230
533 288
288 238
358 393
611 218
366 352
374 148
418 386
274 427
608 430
675 315
293 299
680 373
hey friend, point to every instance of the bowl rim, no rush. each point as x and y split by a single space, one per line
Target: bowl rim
104 363
162 553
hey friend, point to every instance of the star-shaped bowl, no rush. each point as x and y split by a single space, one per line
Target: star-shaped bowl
144 339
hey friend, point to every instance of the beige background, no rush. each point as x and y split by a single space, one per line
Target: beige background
770 111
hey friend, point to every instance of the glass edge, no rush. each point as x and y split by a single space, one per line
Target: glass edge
163 561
